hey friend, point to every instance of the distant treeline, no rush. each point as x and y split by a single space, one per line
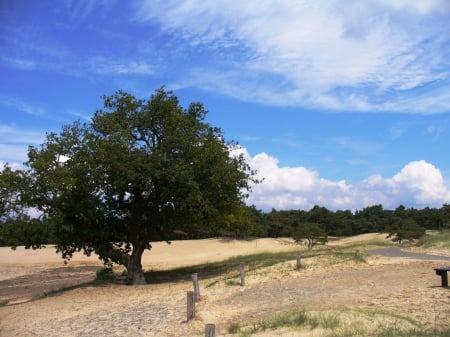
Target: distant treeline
343 222
251 222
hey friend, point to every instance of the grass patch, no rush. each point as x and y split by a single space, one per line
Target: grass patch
362 245
386 315
234 328
440 240
229 268
355 256
55 292
104 274
345 323
4 303
296 319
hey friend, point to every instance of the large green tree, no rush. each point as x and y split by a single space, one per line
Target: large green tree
138 171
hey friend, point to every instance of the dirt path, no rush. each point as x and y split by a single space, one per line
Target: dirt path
28 286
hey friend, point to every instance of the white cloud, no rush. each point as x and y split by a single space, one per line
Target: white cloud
324 54
418 184
424 181
419 7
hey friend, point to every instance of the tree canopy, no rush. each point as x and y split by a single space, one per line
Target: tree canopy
136 173
312 233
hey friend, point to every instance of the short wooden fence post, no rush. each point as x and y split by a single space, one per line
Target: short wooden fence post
196 287
210 330
299 261
242 273
190 305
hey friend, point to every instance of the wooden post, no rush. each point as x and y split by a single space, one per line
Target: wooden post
299 261
210 330
242 272
190 305
196 287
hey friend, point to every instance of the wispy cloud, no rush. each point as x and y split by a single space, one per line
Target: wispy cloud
14 143
15 135
20 105
396 131
19 63
80 10
79 115
355 146
434 131
70 63
365 56
114 67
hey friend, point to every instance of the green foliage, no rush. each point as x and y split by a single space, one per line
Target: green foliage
406 230
345 223
26 231
312 233
104 274
136 173
244 222
9 197
16 226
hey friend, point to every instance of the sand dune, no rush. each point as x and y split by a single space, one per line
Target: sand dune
406 287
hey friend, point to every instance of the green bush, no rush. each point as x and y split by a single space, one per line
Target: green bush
234 328
440 240
104 274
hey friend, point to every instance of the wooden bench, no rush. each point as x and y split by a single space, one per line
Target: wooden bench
443 273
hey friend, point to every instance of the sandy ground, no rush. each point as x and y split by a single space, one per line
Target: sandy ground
402 286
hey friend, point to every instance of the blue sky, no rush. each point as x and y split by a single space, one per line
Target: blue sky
341 104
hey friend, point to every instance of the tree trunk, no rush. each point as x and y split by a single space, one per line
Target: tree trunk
134 267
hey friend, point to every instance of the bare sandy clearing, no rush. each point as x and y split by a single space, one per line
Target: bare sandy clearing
406 287
161 256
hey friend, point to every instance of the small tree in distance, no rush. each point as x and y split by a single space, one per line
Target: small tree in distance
312 233
406 231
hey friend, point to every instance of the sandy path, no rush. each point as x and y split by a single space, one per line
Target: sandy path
109 311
